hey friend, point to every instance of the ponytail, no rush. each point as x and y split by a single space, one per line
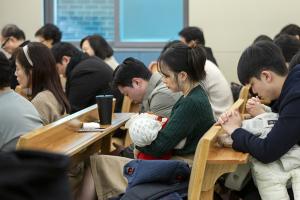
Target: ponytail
197 59
190 59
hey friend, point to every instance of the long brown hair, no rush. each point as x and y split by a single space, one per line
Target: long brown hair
44 74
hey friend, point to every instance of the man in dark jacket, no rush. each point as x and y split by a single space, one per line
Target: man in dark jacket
86 76
263 66
12 37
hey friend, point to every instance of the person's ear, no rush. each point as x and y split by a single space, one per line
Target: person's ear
136 82
65 60
266 76
182 76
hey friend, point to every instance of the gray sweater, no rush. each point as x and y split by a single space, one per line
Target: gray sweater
17 117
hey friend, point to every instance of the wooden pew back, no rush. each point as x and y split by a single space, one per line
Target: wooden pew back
129 106
62 136
210 162
57 131
244 94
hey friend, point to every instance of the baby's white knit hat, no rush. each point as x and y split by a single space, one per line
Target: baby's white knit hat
143 129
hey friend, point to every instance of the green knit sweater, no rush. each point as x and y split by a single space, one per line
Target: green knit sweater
190 118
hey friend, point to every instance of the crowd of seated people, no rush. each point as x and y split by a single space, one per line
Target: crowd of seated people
188 87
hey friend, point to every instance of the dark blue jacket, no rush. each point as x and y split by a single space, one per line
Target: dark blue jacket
156 180
284 134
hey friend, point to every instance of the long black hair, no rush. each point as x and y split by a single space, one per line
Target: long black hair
44 74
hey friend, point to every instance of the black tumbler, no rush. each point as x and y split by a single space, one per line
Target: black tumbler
104 103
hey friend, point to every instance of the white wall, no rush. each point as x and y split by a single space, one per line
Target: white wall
27 14
231 25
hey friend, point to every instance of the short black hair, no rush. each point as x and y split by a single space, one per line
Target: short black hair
49 32
289 46
260 56
5 71
130 68
291 29
61 49
294 61
262 38
192 33
12 30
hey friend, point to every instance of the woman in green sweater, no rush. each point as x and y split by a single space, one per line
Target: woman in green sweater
182 68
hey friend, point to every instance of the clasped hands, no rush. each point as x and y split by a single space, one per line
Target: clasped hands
231 120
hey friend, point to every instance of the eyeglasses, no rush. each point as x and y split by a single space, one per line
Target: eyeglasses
4 43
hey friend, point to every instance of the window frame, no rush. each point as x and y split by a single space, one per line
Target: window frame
117 43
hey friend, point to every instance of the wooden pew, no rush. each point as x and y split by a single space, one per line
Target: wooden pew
244 94
128 106
210 162
62 136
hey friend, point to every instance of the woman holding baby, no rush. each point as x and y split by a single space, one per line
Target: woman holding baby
182 68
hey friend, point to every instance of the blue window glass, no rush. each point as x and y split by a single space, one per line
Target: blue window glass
150 20
79 18
138 22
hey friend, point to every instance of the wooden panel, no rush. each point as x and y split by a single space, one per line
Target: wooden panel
210 161
129 106
62 136
224 155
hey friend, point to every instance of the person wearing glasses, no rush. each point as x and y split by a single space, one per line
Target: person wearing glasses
12 37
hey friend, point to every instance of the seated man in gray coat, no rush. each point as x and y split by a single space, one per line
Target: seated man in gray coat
134 80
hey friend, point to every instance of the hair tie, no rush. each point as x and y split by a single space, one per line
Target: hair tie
25 49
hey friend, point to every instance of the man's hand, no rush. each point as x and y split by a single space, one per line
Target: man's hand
254 107
230 121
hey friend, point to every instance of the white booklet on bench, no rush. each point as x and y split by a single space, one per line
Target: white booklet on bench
91 127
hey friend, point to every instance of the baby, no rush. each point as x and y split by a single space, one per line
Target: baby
143 129
272 178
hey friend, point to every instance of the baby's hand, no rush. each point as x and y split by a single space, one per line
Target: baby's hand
254 107
135 153
224 140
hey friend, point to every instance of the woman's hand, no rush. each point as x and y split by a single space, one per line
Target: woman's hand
230 121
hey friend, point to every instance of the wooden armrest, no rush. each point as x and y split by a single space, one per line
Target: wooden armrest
223 155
